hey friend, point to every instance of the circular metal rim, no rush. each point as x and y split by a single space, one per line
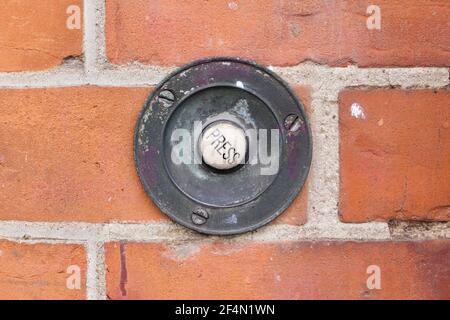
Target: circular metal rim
298 187
164 127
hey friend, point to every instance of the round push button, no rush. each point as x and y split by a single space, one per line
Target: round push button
223 145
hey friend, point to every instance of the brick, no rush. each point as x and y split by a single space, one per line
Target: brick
41 271
173 32
289 270
35 35
67 155
394 155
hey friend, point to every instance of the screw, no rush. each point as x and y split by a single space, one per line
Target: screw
166 98
199 216
293 123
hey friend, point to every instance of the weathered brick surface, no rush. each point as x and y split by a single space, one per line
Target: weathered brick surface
291 270
67 155
394 155
35 35
173 32
41 271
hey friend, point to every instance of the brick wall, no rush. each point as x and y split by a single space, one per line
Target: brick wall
372 222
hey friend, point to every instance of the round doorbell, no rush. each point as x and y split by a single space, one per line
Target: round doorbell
223 146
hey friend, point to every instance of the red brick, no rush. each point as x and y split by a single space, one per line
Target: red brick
40 271
67 155
35 35
290 270
173 32
394 163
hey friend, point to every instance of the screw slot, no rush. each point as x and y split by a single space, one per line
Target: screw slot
293 123
200 216
166 98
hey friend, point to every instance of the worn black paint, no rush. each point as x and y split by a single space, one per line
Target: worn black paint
238 201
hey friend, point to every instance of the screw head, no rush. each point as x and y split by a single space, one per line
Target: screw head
166 98
200 216
293 123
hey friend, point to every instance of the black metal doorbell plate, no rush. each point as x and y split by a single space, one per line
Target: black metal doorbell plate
246 98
